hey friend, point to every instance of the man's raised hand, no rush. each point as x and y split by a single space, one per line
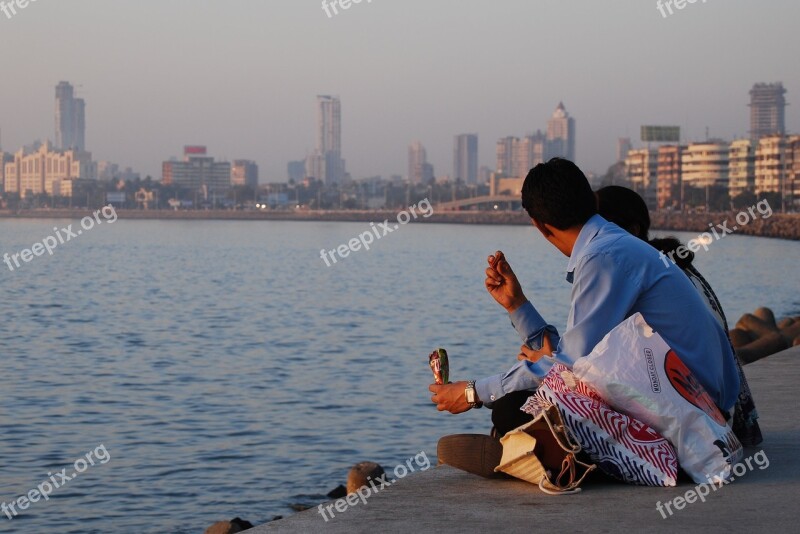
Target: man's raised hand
502 283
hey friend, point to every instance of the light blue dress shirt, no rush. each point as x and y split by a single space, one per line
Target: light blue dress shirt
614 275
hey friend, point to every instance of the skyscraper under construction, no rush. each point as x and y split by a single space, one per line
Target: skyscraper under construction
767 110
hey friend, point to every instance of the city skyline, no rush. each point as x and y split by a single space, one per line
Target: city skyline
268 114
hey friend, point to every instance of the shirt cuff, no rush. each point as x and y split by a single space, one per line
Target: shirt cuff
489 389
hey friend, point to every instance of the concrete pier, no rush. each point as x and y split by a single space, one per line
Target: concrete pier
447 500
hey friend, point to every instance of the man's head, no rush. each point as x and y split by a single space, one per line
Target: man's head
558 194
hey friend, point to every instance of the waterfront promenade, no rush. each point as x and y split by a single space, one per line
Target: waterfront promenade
447 500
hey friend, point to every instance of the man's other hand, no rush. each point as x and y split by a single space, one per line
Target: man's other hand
450 397
532 355
502 283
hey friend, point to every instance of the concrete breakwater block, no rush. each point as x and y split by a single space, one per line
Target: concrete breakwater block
361 474
229 527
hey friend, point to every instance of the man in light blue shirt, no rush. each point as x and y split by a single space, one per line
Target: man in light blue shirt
613 275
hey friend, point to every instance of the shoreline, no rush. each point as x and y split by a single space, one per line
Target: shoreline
778 226
755 501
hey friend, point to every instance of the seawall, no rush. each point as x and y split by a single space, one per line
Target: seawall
783 226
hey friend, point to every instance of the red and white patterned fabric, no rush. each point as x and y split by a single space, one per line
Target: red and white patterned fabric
636 372
620 445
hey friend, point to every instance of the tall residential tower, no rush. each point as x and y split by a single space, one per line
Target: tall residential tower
70 119
465 158
326 162
419 170
560 135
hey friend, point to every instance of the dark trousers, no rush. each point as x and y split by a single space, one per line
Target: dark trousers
506 413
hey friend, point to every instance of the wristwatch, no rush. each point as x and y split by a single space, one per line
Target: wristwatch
472 396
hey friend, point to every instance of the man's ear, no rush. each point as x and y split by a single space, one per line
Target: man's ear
543 228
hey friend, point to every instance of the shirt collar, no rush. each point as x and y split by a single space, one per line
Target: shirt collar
587 233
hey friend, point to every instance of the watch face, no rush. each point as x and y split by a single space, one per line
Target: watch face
470 394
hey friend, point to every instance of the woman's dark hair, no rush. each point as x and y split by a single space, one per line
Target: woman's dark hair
625 208
557 193
669 246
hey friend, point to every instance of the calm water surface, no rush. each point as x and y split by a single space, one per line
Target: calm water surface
228 371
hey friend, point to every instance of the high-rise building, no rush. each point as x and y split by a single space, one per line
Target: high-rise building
419 170
244 173
197 171
668 177
465 158
47 170
70 119
505 155
706 164
516 157
4 158
767 110
741 173
792 187
528 153
771 164
560 135
315 166
326 162
641 168
329 124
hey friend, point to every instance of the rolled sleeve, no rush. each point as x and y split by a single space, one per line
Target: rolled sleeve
530 325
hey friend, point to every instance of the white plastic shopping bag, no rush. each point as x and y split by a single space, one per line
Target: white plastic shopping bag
637 373
621 447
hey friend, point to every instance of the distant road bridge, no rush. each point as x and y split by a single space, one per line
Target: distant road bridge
502 201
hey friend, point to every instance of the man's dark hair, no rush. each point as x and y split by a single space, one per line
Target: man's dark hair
557 193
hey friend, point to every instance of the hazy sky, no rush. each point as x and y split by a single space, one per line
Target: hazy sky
241 76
